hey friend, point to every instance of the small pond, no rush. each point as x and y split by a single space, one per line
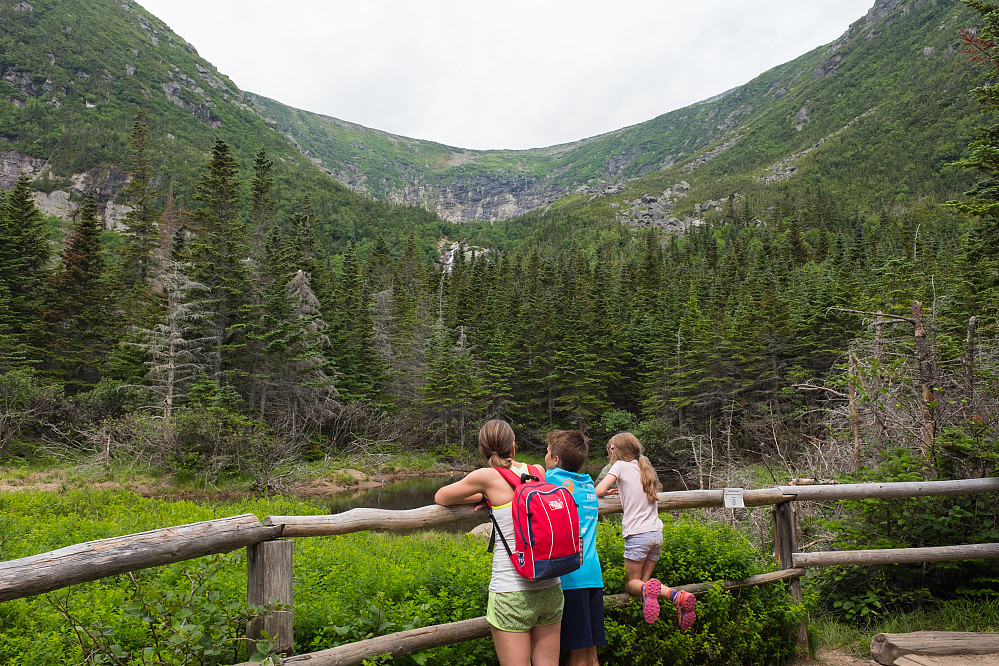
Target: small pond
406 494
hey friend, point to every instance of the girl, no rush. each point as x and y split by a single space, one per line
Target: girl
637 485
525 615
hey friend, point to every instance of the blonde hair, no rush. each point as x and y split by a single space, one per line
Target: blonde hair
496 443
628 448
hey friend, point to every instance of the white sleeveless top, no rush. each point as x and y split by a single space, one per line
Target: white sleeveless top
505 578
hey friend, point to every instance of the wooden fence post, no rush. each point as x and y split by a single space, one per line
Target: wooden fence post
786 538
268 583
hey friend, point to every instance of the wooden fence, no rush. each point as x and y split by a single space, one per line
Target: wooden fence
269 555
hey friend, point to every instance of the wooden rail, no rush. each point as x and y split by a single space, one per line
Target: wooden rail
360 519
409 642
93 560
269 560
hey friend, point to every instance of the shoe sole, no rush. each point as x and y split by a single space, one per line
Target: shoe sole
686 615
650 600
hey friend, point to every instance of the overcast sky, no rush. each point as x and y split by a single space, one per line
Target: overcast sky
507 74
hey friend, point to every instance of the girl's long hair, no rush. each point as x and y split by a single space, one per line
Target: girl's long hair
628 448
496 443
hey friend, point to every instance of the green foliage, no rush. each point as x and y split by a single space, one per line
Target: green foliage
348 588
750 626
863 594
184 622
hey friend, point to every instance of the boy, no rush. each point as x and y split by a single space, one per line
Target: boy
583 613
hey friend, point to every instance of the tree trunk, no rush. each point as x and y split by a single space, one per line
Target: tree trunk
969 367
927 371
851 392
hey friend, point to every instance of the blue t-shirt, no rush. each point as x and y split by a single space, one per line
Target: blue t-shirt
583 491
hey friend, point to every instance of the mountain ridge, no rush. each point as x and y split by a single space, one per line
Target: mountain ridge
70 102
499 184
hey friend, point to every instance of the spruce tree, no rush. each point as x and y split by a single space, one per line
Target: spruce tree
218 252
175 355
142 235
76 320
24 258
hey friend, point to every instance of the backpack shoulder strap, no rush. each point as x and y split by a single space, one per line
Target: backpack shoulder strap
511 477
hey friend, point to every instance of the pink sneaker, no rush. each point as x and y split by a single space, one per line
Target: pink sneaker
650 600
685 603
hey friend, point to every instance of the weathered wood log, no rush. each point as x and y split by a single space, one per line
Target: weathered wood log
841 491
786 538
613 600
426 638
268 583
357 520
92 560
976 551
886 648
360 519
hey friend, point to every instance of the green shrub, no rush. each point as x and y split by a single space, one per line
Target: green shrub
754 625
861 594
351 587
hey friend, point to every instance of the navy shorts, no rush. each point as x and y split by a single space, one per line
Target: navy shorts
583 618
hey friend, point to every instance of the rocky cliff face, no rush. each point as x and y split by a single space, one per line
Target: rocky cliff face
483 197
106 181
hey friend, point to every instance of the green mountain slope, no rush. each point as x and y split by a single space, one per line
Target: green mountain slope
884 108
878 114
73 74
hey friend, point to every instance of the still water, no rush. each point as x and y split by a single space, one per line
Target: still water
412 494
405 494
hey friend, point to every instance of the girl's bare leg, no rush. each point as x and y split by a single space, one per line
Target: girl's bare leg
513 648
545 642
638 572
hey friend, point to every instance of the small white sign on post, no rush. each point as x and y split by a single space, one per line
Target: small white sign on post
732 498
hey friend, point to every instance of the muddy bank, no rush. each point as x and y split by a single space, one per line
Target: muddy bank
341 482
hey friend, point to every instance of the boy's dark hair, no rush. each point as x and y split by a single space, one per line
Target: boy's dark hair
570 447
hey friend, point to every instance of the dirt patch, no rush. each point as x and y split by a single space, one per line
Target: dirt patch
832 657
337 483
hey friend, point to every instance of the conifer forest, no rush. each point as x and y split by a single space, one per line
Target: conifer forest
246 317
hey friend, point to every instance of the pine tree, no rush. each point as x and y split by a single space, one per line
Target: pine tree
352 334
262 204
452 389
76 318
24 257
175 355
142 237
218 253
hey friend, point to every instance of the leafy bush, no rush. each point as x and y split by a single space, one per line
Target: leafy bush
351 587
755 625
861 594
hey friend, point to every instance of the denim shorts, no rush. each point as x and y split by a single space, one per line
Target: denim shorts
644 546
525 609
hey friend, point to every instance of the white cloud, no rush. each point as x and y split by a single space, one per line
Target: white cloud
515 74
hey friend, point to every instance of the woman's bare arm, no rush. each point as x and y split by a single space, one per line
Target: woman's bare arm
468 490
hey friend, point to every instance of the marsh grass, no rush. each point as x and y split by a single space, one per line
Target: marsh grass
957 615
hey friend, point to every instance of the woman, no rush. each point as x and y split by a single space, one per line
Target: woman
525 615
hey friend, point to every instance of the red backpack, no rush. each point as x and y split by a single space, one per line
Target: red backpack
545 526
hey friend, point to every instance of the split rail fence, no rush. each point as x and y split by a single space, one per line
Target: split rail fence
269 556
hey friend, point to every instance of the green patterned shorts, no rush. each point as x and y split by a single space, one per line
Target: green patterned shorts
520 611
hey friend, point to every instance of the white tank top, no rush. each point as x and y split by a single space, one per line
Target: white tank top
505 578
